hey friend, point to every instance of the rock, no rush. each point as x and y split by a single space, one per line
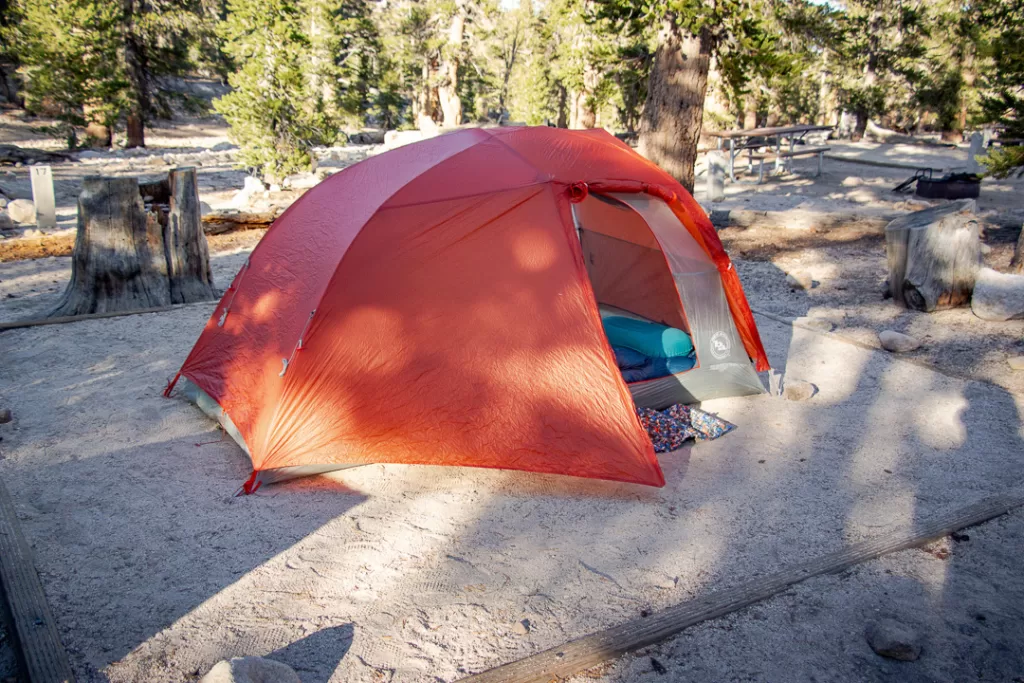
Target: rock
253 184
367 137
889 638
5 221
22 211
521 628
3 202
90 154
222 147
251 187
1016 363
998 296
275 188
797 390
250 670
204 208
169 159
897 342
799 280
5 416
301 181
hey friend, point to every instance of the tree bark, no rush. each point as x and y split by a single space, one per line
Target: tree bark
129 255
138 78
671 122
448 90
749 111
934 256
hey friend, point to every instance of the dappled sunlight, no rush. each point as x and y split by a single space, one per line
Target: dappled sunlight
534 249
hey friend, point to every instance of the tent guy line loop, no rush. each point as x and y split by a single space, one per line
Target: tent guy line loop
285 362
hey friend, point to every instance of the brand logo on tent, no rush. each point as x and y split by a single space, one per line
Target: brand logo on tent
720 345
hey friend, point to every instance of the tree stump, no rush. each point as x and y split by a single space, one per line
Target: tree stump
138 246
934 256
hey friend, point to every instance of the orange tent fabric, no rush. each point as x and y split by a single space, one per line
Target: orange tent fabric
430 305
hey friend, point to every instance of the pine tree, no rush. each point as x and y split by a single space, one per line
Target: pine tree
273 115
69 52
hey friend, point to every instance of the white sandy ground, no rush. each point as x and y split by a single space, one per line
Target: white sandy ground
406 573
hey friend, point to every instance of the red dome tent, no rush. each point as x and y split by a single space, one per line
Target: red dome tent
438 304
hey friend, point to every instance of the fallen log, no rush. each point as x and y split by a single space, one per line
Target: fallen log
12 154
799 219
218 222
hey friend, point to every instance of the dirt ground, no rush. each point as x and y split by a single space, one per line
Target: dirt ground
402 573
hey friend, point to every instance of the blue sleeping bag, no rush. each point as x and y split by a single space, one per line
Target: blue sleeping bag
658 367
649 338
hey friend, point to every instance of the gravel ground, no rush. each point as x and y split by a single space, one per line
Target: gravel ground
964 599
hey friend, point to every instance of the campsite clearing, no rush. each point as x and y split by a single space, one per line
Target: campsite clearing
406 573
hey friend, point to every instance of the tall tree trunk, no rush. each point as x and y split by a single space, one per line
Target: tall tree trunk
138 78
868 81
671 122
448 90
587 117
823 92
749 111
563 106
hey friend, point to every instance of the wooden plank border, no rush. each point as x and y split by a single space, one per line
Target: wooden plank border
589 651
60 320
35 630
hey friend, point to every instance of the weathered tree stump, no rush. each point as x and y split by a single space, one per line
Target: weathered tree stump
138 246
934 256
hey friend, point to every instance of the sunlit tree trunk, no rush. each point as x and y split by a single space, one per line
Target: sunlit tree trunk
671 122
448 90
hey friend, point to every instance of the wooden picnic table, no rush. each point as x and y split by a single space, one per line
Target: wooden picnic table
773 136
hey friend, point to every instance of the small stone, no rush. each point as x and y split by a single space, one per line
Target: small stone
253 184
22 211
1016 363
222 147
3 202
799 280
275 187
897 342
797 390
5 221
250 670
5 416
521 628
889 638
301 181
204 208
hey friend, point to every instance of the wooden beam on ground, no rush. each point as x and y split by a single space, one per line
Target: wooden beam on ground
584 653
217 222
800 219
42 652
60 320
